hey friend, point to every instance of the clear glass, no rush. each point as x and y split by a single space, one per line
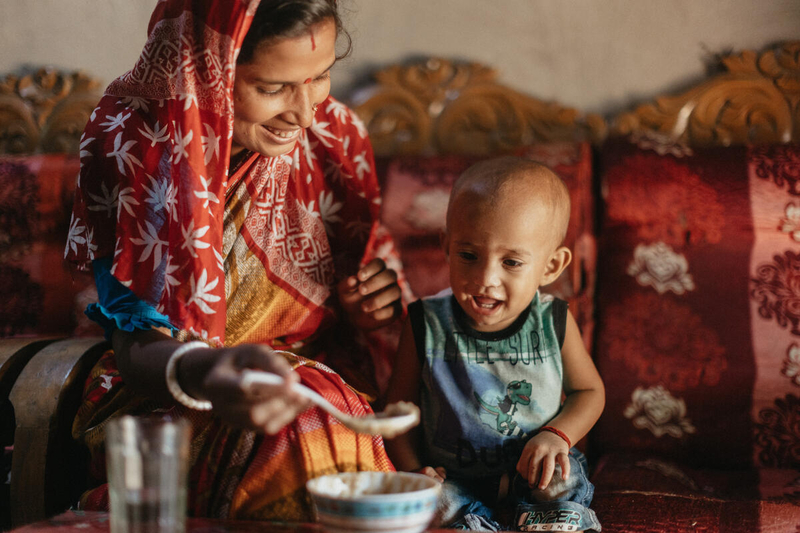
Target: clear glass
147 461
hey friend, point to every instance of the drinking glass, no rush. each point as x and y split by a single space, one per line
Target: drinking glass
147 461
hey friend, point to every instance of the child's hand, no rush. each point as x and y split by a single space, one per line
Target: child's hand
371 298
438 473
539 457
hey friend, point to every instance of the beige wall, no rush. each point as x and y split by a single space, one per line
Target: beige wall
597 55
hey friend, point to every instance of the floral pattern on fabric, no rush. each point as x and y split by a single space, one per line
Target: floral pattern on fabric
660 267
657 410
776 288
778 163
791 364
660 143
778 432
663 342
790 222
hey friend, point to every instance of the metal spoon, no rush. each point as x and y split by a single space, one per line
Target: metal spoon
397 418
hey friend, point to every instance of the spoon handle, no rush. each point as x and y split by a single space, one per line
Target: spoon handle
259 377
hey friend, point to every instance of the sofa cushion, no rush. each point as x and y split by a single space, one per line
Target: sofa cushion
415 195
698 331
40 294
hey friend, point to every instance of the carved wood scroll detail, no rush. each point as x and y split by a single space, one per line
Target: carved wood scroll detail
756 100
442 107
45 111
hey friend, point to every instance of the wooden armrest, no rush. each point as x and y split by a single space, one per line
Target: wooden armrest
48 468
14 355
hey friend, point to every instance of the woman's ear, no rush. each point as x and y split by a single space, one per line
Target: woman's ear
556 264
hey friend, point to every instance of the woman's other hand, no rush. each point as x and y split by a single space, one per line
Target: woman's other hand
263 407
371 298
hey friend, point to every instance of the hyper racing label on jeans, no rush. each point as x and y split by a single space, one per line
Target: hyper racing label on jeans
535 518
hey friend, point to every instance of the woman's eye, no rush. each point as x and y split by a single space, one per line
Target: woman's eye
324 77
270 91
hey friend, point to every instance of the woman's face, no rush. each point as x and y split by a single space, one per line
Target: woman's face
274 93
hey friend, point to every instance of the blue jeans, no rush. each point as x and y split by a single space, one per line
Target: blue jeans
562 506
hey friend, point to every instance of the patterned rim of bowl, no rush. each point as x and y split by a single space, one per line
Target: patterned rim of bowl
420 500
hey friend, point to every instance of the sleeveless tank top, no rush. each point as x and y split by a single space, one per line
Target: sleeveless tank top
483 394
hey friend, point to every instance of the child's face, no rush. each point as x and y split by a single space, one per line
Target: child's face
499 255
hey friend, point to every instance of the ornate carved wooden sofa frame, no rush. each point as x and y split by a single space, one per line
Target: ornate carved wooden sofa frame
433 107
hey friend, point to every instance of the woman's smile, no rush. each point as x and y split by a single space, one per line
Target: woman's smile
276 93
283 136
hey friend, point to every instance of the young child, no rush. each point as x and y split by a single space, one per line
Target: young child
488 360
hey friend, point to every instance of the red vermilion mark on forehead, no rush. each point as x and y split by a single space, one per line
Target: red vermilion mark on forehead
313 42
308 80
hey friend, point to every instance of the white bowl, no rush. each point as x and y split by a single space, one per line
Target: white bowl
386 502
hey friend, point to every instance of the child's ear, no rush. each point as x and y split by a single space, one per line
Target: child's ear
556 264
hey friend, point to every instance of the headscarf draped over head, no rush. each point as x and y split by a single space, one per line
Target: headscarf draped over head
154 169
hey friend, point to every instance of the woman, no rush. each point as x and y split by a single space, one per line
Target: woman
224 197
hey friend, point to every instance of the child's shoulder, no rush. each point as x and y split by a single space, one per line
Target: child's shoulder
436 307
545 300
442 294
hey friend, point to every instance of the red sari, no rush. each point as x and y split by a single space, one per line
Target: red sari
250 255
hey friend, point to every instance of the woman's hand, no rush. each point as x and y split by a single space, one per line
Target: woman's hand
264 407
538 460
371 298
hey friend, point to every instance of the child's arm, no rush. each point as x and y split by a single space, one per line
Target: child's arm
584 402
403 450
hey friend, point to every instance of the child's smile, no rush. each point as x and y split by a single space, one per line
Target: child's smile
484 305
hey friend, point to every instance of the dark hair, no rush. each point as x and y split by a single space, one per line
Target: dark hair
281 19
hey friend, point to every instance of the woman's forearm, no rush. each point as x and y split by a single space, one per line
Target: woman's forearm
142 358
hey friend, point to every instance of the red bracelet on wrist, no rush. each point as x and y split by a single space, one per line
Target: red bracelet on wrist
558 432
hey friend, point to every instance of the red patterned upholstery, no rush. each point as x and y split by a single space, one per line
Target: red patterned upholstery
40 295
415 195
698 337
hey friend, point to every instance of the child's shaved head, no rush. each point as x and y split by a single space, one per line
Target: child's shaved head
496 180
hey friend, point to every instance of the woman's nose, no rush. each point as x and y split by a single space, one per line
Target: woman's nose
303 105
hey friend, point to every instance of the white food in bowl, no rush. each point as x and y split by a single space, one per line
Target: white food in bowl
388 502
